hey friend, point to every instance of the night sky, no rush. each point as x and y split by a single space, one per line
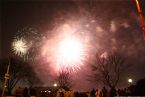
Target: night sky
112 24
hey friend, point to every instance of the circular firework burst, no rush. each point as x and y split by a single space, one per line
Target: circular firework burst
26 43
70 53
20 47
66 50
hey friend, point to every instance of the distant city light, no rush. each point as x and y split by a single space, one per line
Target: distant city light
49 91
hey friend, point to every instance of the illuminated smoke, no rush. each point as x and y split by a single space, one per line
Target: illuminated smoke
66 49
70 53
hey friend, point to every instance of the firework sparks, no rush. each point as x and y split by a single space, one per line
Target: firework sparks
66 49
70 52
20 46
26 43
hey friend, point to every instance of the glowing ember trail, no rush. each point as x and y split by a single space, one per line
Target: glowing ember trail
141 17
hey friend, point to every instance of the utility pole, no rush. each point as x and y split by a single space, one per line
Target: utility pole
6 79
141 17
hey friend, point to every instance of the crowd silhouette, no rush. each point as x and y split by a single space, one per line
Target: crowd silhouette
133 90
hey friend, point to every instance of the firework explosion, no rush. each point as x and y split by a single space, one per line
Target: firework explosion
20 46
25 43
70 52
95 26
67 49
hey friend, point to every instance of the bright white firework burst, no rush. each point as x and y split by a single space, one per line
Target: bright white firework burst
70 51
66 50
20 46
26 43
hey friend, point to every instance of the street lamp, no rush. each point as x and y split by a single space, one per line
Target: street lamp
55 85
130 80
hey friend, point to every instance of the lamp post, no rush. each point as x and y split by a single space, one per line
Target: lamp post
130 81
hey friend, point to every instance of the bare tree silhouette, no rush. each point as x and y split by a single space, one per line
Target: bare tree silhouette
20 72
108 69
64 80
16 73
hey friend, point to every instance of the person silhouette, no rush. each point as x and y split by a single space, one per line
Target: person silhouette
140 88
25 92
113 92
104 92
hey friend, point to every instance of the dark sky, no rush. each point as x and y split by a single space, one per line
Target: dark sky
118 18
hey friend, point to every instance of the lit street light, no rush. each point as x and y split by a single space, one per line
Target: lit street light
130 80
55 84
